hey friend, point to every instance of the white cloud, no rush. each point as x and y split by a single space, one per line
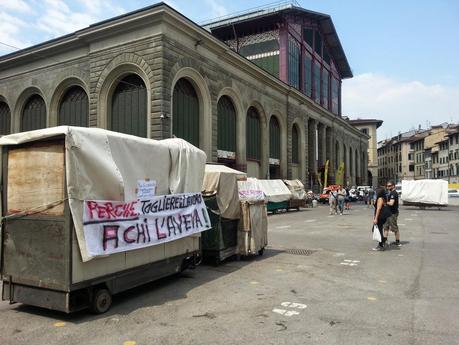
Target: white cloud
402 105
59 18
15 5
217 9
10 29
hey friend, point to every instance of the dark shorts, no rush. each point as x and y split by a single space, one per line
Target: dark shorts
391 223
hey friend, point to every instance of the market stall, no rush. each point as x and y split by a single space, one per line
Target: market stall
277 194
221 196
88 213
253 227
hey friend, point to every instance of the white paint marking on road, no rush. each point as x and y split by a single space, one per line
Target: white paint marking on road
339 254
294 305
409 219
401 224
288 313
348 262
310 220
283 226
400 254
331 216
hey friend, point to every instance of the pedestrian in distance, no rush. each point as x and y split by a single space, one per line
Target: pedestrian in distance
382 213
332 200
391 223
347 200
371 196
341 197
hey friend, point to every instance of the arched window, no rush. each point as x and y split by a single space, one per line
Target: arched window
5 119
185 113
74 108
129 107
33 114
253 134
295 145
226 125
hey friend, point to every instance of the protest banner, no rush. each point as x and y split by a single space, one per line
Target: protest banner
118 226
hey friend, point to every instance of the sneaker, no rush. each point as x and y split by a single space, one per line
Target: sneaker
378 248
396 244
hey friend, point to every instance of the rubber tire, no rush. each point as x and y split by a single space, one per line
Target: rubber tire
261 251
101 301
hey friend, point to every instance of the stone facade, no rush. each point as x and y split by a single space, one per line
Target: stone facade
370 127
161 46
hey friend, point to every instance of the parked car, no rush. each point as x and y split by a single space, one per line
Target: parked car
325 195
453 193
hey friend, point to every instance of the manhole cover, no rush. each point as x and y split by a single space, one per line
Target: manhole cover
305 252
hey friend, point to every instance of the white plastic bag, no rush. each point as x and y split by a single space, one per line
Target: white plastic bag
376 234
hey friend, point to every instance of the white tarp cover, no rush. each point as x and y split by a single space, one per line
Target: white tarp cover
296 187
275 190
434 192
249 190
105 165
223 181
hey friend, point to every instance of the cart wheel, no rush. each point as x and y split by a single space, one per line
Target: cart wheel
101 301
261 251
217 261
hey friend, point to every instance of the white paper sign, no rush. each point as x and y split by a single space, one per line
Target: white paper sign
117 226
249 191
146 189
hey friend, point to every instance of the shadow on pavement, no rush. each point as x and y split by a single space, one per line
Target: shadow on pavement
172 288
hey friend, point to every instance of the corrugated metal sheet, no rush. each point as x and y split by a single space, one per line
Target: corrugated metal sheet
253 134
185 122
274 138
74 108
5 119
295 145
34 114
129 107
226 125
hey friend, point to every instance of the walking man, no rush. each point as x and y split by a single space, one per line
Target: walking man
391 223
341 197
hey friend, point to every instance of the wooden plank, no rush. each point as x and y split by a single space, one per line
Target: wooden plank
36 177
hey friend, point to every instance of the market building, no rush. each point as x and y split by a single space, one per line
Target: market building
260 91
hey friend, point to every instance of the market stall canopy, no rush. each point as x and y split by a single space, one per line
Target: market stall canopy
105 165
223 180
296 187
275 190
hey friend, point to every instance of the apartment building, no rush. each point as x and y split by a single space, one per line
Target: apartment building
453 155
396 158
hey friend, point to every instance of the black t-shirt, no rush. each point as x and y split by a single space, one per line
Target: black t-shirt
393 195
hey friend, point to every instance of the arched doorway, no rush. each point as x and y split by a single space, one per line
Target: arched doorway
226 135
129 107
74 108
34 114
274 148
185 113
253 142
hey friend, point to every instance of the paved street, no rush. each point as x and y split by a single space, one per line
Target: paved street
317 283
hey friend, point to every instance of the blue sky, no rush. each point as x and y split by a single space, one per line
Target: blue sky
404 54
